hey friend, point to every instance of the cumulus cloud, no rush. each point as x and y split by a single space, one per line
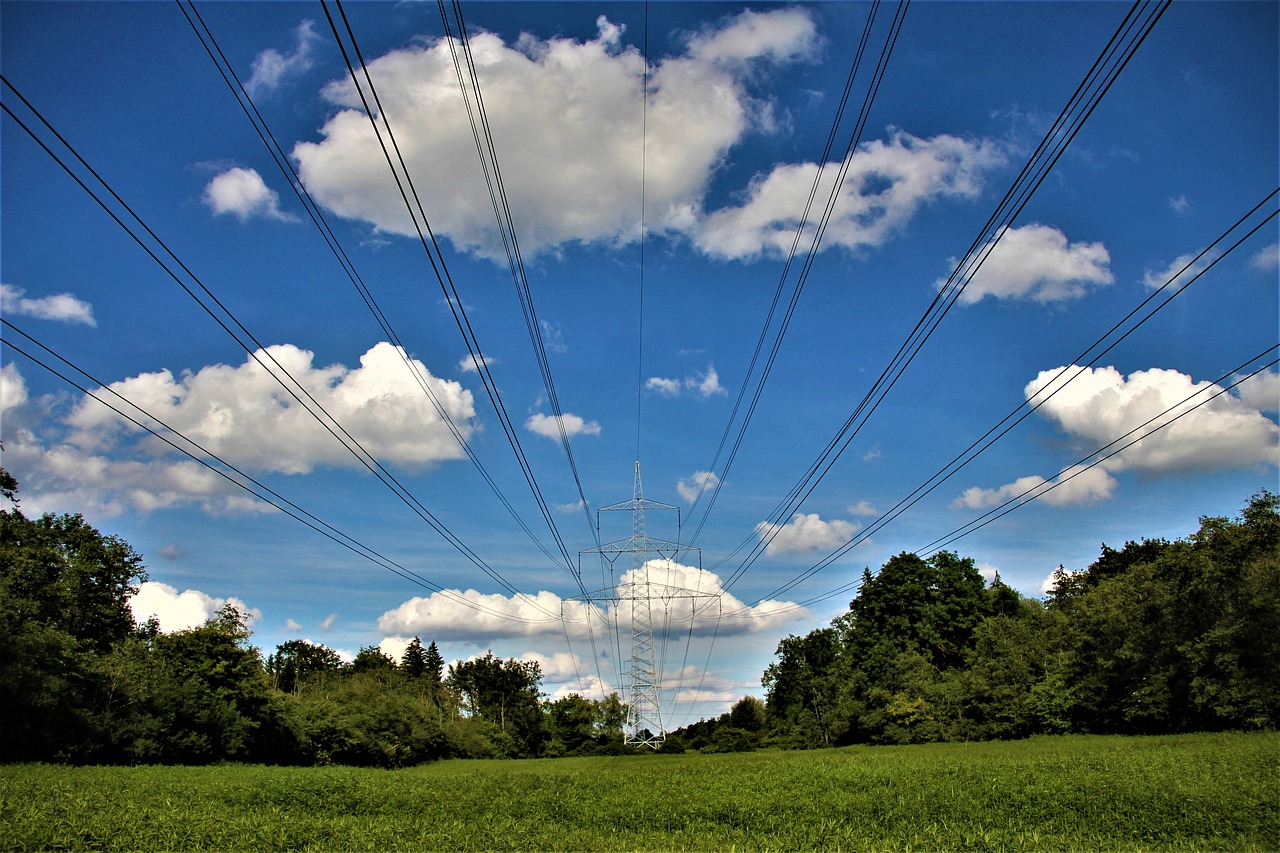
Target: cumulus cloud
680 593
13 388
1100 405
1183 269
689 488
665 387
549 425
1037 262
703 385
244 416
1268 259
467 364
1077 485
782 36
62 307
886 183
1262 391
803 533
271 68
572 180
863 509
242 193
61 477
179 611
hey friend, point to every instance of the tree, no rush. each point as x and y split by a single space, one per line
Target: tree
801 687
505 693
64 591
297 661
433 664
372 659
748 714
212 693
414 660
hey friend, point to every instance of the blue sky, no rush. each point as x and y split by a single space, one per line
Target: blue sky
653 235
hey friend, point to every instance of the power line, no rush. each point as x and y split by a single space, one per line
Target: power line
148 422
435 257
492 171
254 348
1188 274
245 101
1115 56
854 139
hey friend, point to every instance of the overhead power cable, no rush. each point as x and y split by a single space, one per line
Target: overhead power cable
191 284
391 151
1175 285
818 231
166 433
1119 50
315 213
1234 377
492 171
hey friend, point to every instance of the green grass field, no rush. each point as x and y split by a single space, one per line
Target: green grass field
1192 792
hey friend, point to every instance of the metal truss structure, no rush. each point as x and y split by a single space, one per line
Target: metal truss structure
641 680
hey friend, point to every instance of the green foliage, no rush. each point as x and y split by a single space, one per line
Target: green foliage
505 693
297 662
1177 793
64 589
1154 637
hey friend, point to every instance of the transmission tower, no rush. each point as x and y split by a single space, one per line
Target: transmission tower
641 679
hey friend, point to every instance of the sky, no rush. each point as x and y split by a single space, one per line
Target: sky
656 161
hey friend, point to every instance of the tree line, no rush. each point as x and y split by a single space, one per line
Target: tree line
1153 637
81 682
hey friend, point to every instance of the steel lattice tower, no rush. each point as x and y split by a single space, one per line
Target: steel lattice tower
644 714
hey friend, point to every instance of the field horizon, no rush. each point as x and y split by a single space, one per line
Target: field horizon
1070 792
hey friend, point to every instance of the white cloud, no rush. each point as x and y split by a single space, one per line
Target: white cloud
573 180
61 477
326 624
467 364
291 626
805 532
989 572
244 416
242 193
1100 405
393 647
704 385
13 388
782 36
689 488
665 387
708 384
1180 204
549 426
863 509
1262 392
62 307
887 182
179 611
1268 259
679 593
1076 486
1156 279
270 68
1037 262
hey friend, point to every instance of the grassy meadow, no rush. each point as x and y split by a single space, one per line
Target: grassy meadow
1186 792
